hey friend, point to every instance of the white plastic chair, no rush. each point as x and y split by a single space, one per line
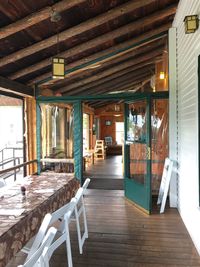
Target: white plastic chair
62 217
40 257
80 210
32 246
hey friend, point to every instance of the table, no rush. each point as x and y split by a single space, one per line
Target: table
44 193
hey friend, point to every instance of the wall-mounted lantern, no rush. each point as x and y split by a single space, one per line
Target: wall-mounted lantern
162 75
191 23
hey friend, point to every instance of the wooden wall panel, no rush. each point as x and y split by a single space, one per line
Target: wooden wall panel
30 119
109 130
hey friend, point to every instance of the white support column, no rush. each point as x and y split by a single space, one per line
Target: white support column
173 125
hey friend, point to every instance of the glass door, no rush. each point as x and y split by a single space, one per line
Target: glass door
137 153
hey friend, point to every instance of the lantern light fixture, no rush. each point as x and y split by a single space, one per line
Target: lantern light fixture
162 75
191 23
58 68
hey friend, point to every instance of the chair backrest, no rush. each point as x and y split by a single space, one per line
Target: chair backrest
61 212
40 235
85 185
79 194
40 256
49 220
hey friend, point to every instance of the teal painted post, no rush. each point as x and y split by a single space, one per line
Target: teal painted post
199 123
125 138
78 140
148 144
38 123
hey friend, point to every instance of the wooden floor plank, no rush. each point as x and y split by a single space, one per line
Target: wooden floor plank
120 235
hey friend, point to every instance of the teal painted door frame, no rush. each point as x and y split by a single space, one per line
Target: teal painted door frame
78 135
139 193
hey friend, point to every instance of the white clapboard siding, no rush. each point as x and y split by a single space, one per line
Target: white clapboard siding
188 49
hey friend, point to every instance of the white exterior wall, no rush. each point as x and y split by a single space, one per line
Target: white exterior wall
187 51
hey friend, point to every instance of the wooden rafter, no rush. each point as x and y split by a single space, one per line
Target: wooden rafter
113 76
127 64
78 66
113 85
133 86
37 17
15 87
113 61
112 80
75 31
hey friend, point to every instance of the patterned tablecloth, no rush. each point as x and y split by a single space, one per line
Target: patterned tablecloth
20 217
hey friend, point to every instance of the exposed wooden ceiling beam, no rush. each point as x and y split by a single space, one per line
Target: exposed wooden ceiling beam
78 66
113 61
112 85
76 30
37 17
102 82
129 63
113 76
101 104
132 86
15 87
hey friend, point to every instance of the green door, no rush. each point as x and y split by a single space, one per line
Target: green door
137 170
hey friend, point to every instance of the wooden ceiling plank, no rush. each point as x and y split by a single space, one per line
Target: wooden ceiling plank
119 89
102 103
112 84
85 26
15 87
37 17
129 63
117 80
126 87
76 30
143 39
133 54
77 66
111 77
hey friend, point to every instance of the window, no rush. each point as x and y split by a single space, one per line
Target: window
119 133
11 137
86 136
56 136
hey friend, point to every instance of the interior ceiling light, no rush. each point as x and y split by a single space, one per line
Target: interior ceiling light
162 75
58 68
58 63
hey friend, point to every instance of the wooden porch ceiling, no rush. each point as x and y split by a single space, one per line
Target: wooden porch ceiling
108 45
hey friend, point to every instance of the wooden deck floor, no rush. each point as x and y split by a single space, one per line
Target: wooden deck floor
122 236
106 174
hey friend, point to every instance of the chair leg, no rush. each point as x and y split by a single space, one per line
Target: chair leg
84 219
78 231
68 246
81 238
